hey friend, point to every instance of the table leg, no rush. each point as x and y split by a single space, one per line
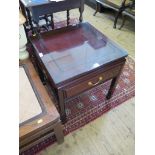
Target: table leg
52 22
112 87
68 18
58 130
81 9
30 21
62 107
113 84
123 21
116 18
97 8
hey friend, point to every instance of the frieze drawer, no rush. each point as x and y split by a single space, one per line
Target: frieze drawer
91 82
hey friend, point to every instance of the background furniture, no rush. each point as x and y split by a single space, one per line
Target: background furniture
23 54
45 8
47 123
129 11
122 7
112 4
77 58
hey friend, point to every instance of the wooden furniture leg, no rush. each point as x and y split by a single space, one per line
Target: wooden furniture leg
62 107
113 84
68 18
81 9
97 8
52 22
112 87
123 21
116 18
58 130
30 20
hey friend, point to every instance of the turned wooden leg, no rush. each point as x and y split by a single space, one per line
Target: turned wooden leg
81 9
68 18
123 21
30 20
97 8
58 130
116 18
52 22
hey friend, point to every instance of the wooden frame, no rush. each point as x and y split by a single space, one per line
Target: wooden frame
45 125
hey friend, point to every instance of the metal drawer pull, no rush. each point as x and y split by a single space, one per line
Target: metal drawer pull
94 84
39 121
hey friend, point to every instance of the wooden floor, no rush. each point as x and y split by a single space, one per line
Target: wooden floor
113 133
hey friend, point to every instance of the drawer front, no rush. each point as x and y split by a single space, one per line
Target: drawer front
92 82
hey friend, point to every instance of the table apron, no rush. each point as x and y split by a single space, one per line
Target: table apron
82 85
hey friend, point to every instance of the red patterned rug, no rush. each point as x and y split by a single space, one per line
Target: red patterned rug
92 104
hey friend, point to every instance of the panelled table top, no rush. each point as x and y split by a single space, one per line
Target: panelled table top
75 50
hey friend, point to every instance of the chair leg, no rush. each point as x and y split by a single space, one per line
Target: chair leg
97 8
123 22
116 18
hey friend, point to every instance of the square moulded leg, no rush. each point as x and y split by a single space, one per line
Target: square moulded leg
58 131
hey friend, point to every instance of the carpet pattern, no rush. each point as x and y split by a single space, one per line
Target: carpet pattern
92 104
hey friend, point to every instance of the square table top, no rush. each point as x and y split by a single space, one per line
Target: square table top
75 50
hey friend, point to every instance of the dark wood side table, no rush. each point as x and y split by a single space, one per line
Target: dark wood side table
46 7
40 127
77 58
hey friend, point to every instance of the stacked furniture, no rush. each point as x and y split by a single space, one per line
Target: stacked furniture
74 58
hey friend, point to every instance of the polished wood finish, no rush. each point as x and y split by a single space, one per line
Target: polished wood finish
74 56
46 7
47 123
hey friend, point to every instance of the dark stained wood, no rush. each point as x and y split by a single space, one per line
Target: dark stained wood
40 8
125 7
52 22
68 18
32 132
97 8
83 85
73 57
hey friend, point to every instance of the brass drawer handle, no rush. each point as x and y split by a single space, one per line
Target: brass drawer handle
94 84
39 121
